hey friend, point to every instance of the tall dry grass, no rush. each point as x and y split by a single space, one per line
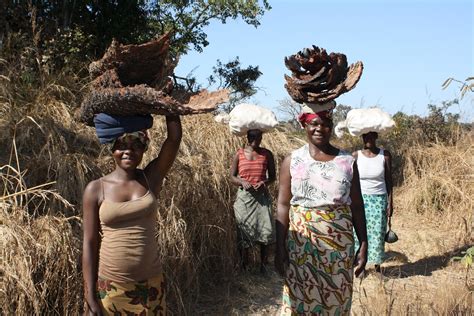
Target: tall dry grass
38 252
439 182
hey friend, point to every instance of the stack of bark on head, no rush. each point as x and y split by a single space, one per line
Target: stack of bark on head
135 80
318 77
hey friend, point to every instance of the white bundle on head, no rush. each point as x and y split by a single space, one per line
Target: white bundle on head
362 121
246 116
222 118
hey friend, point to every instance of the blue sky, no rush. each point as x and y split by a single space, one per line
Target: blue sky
409 48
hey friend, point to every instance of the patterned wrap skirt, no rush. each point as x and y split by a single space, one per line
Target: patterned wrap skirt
134 298
375 206
321 255
253 215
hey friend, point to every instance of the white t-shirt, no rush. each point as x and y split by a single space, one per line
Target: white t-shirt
372 173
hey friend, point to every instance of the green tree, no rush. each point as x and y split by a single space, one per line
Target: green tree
240 81
94 23
187 19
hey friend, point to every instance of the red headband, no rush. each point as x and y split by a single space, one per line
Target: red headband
308 117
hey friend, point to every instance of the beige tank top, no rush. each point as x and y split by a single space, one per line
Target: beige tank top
129 250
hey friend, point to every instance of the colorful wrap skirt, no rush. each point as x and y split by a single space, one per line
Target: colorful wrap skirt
321 255
375 206
134 298
253 215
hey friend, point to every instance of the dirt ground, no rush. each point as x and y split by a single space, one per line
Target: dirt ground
418 278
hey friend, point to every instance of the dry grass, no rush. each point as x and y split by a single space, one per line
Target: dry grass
40 253
439 182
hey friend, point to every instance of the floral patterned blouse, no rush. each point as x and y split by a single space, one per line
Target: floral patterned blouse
318 183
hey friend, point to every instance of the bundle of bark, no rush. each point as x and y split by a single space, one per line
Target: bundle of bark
318 77
135 80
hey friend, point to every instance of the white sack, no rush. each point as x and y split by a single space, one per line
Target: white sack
361 121
222 118
249 116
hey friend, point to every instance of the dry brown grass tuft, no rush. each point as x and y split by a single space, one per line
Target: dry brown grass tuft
39 265
439 182
39 253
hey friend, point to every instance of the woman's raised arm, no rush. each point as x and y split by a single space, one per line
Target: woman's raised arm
158 168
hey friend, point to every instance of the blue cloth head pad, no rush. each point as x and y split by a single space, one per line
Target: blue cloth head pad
110 127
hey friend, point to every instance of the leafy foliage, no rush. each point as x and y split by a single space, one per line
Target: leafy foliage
69 33
240 81
438 126
467 258
186 19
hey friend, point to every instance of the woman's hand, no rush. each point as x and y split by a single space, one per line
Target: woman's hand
259 185
245 184
281 261
360 259
93 307
358 219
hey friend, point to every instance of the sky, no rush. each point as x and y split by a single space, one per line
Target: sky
408 48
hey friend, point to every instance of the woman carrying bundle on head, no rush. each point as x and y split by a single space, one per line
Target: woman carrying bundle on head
319 198
375 171
121 267
252 170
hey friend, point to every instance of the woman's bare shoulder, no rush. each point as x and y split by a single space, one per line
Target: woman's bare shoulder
92 189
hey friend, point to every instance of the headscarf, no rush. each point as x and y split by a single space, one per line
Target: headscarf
110 127
310 111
